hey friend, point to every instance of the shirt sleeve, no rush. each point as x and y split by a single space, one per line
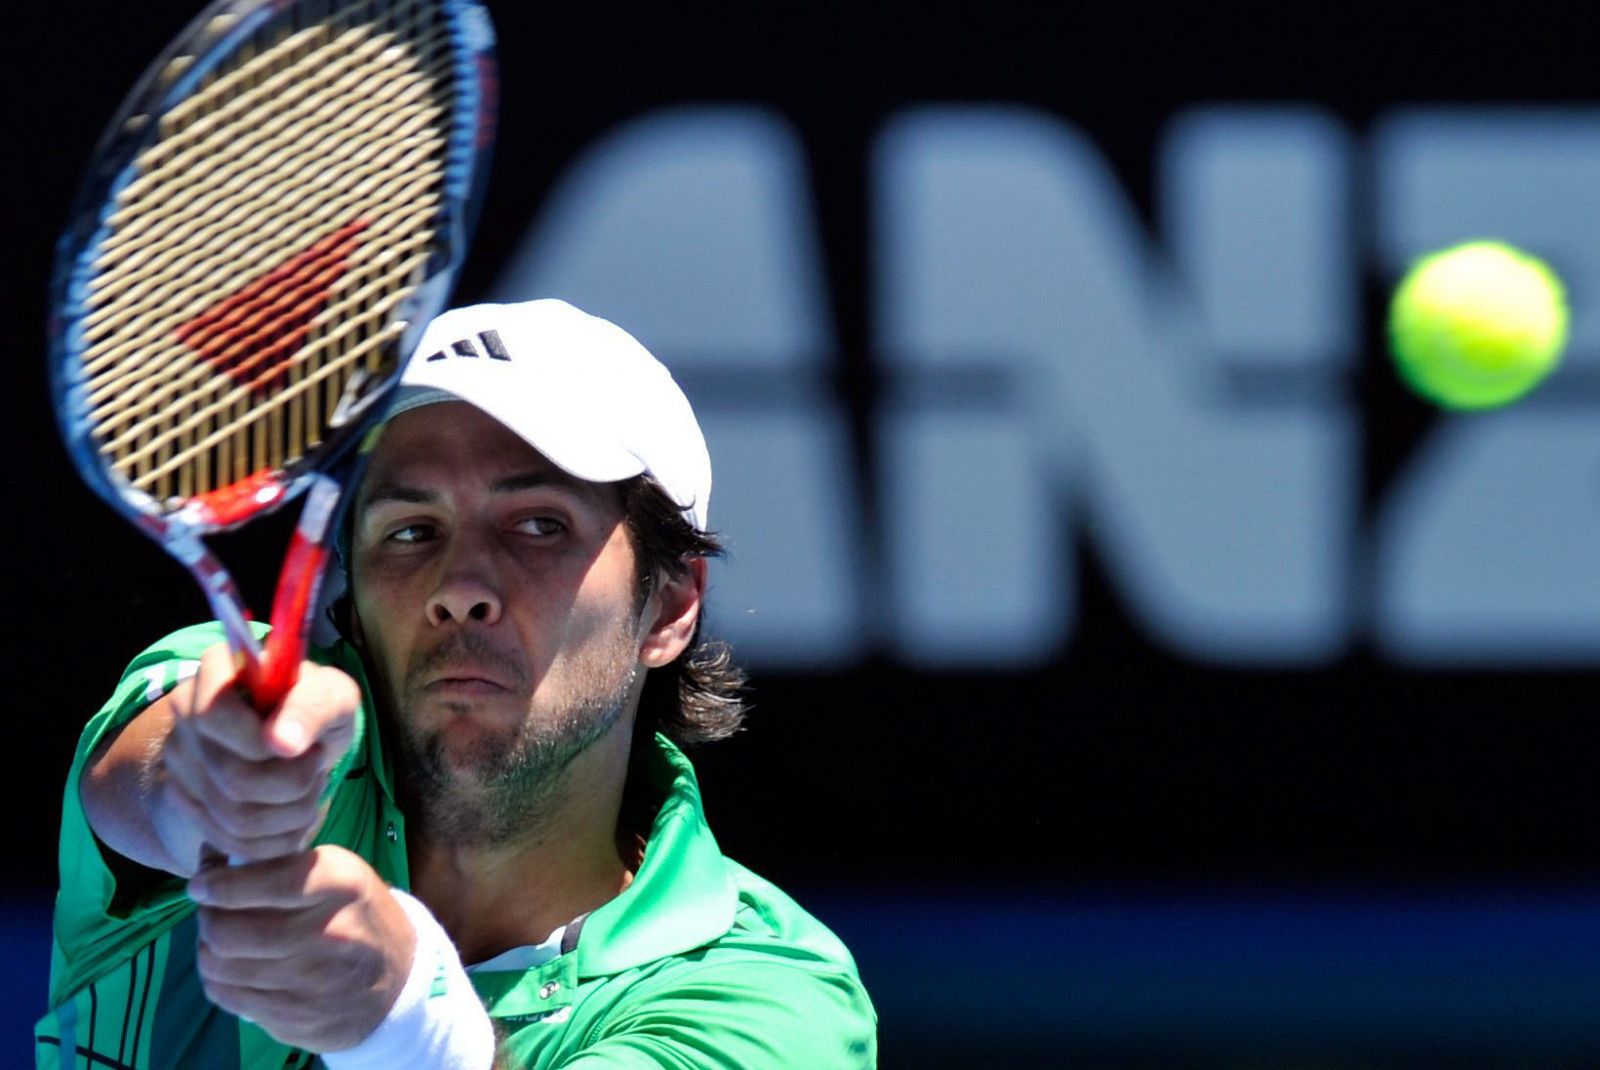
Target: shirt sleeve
740 1015
96 921
93 924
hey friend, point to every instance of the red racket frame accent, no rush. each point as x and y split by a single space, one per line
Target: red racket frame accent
268 678
266 672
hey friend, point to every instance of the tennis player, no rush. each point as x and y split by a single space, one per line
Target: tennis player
468 838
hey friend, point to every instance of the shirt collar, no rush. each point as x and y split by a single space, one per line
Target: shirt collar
682 897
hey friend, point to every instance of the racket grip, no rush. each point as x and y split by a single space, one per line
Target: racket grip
267 679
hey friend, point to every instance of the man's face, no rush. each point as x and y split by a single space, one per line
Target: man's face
496 599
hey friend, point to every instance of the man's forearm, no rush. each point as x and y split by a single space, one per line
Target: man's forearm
123 790
201 768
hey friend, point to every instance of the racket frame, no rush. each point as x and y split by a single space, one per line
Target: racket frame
210 41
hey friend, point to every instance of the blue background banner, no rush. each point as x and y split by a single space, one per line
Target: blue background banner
1142 675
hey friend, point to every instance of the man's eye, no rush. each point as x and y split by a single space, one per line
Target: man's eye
541 525
410 534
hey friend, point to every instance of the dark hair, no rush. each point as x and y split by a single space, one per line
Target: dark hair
699 697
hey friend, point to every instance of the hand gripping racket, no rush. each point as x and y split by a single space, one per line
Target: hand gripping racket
266 228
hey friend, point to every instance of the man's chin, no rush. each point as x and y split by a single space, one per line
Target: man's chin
469 742
459 709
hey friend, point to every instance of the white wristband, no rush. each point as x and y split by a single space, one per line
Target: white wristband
437 1023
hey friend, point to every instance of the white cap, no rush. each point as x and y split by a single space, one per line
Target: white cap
577 388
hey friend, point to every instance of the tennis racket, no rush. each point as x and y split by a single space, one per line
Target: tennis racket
272 218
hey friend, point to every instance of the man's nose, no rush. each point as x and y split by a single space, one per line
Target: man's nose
462 598
466 590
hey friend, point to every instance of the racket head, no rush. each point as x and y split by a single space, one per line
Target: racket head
276 212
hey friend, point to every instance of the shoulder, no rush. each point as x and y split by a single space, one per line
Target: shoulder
733 1009
769 917
703 963
779 989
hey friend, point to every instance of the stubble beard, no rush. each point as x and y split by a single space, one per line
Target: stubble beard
497 789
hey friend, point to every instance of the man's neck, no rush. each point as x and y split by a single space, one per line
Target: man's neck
491 898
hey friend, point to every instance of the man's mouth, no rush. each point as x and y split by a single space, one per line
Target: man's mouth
466 665
467 680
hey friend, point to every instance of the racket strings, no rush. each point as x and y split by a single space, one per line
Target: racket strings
262 254
220 420
277 110
189 252
275 241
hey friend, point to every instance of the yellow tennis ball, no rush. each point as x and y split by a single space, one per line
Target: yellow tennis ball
1477 325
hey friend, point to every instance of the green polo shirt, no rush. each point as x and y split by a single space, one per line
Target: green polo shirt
698 963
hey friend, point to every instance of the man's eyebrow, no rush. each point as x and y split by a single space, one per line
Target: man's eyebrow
406 494
396 492
532 480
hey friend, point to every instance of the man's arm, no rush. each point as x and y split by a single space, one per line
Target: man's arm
320 953
312 945
199 767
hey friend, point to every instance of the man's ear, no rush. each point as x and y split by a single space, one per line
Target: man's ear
358 634
670 615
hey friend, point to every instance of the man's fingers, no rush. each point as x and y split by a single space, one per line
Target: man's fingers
276 884
236 999
212 773
248 843
295 1020
227 723
248 785
249 1002
255 987
261 936
320 708
259 820
231 935
211 704
313 948
199 817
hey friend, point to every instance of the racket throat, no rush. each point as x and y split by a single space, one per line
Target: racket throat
270 679
227 605
296 598
267 670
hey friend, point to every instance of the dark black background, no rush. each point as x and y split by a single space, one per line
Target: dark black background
1116 764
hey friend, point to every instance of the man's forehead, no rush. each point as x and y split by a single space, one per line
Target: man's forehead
452 442
437 419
